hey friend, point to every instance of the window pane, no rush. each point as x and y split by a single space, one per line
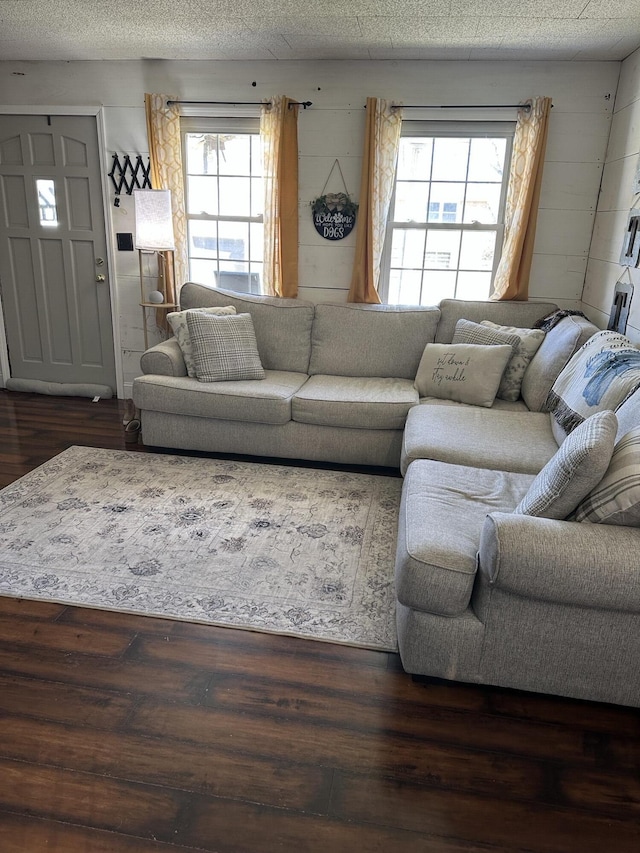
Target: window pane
407 248
202 271
482 203
414 158
477 250
411 202
202 158
256 235
405 284
473 285
450 201
234 154
202 194
256 155
450 156
203 239
257 197
486 162
233 241
443 249
438 285
47 207
235 197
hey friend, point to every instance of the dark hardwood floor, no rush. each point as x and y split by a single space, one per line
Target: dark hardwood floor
121 733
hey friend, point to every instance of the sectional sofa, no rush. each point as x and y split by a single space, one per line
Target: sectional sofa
486 593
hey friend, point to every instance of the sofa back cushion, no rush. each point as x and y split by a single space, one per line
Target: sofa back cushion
371 340
282 326
523 314
559 345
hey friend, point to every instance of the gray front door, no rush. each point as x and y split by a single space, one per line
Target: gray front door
54 280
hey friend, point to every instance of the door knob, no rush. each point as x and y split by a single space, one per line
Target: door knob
101 277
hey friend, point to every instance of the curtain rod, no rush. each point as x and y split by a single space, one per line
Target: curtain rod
303 104
460 106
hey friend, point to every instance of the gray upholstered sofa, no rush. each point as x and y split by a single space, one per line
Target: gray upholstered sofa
484 595
339 378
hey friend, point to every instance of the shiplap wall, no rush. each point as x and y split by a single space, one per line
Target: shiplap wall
616 199
583 96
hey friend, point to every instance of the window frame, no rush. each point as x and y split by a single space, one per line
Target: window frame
198 124
461 129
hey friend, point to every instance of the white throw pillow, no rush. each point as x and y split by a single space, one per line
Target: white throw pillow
466 373
178 322
600 376
224 347
529 343
616 498
578 465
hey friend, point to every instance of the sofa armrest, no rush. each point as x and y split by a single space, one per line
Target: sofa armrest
164 358
566 562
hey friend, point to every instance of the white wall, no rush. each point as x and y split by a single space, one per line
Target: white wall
583 96
616 199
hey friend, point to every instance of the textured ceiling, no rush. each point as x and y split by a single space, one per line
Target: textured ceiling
319 29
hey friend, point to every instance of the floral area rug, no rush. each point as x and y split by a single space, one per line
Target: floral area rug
287 550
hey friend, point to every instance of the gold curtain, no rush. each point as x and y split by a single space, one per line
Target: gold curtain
279 137
381 143
165 154
523 196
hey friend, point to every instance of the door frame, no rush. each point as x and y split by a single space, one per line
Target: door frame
98 113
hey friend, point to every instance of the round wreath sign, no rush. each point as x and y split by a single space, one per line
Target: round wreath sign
334 215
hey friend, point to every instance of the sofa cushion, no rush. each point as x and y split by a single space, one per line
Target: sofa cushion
224 347
282 326
521 442
578 466
267 402
442 512
370 340
529 343
467 373
616 498
508 313
598 377
559 344
358 403
468 332
178 322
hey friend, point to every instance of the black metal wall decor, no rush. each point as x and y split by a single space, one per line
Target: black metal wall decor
334 214
630 255
129 176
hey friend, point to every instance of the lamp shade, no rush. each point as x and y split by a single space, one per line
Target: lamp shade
154 223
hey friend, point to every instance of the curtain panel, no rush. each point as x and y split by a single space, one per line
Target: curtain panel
165 154
279 137
523 197
380 154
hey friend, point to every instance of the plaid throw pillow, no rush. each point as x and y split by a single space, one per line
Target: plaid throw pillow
178 322
468 332
224 347
578 466
616 498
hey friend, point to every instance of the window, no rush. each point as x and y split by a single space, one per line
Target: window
224 201
446 219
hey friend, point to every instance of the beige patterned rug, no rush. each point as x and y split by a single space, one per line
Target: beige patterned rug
298 551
